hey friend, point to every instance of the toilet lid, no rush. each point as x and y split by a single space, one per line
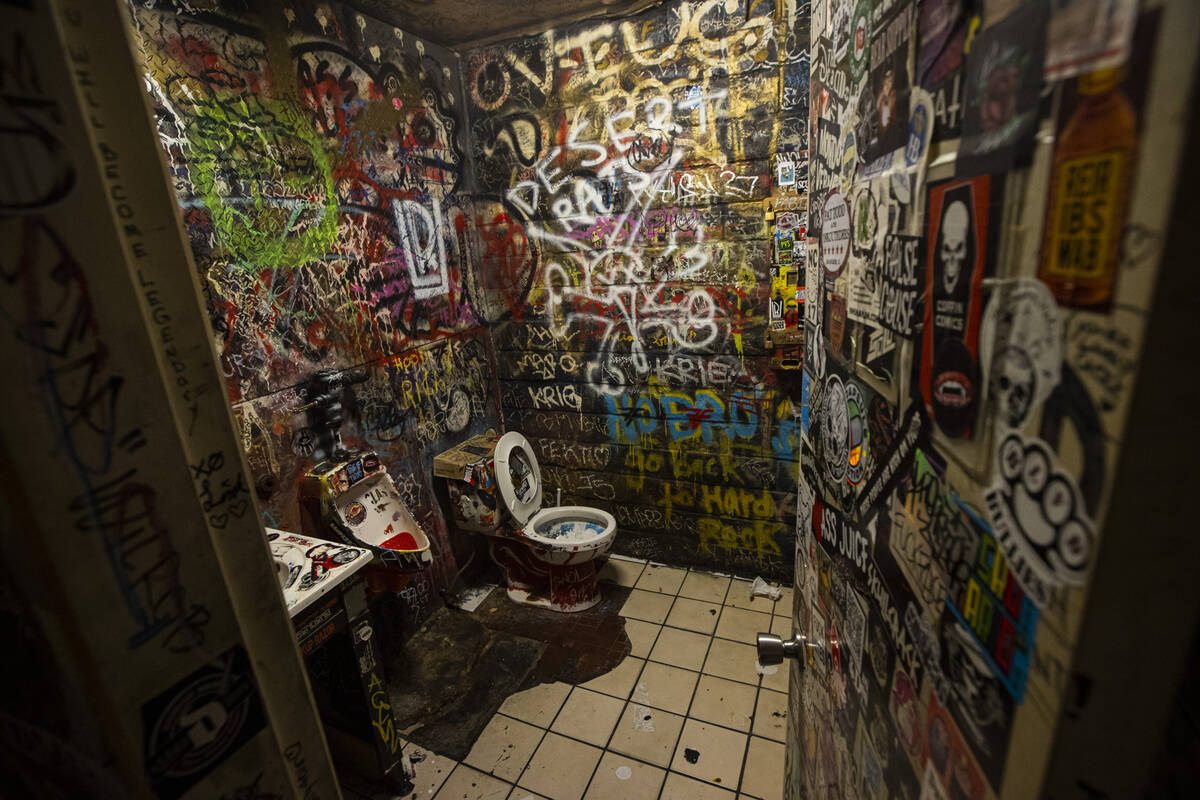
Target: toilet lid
518 476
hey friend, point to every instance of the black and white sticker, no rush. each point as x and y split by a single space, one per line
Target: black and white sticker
199 722
1038 518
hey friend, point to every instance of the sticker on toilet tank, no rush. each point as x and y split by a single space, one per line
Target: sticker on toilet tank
356 513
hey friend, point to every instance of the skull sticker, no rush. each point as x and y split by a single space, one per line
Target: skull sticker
952 250
1012 384
1022 349
958 214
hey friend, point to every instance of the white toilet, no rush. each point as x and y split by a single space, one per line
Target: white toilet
548 554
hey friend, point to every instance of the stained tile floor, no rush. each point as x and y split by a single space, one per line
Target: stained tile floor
685 715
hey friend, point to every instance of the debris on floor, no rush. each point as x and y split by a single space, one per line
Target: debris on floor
760 588
472 597
638 709
771 670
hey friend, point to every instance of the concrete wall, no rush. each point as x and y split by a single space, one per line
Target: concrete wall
623 166
597 193
318 157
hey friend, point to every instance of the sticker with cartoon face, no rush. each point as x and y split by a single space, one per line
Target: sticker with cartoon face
858 436
835 429
956 261
1022 349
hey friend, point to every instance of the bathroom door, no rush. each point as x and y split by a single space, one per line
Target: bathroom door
987 227
164 658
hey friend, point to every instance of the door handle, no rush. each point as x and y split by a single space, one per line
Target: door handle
773 649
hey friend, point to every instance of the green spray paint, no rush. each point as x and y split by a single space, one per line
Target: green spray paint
265 178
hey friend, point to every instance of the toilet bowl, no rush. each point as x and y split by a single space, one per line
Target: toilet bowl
548 554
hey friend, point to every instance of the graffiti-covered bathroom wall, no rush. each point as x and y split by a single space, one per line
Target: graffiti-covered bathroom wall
987 199
318 157
622 168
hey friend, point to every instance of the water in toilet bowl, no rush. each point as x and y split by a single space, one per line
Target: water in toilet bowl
570 531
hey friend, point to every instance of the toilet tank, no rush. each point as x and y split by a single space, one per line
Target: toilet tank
469 471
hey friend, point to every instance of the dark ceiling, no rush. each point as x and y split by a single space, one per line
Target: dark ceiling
454 23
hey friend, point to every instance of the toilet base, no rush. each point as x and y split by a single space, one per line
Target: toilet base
526 597
546 580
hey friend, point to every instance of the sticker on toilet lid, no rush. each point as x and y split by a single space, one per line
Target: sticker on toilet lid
518 476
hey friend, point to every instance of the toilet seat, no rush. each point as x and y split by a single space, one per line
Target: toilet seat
518 476
569 528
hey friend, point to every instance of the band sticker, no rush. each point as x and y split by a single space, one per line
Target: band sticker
903 284
835 233
1039 519
199 722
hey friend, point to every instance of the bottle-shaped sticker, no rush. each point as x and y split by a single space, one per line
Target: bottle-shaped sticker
1089 191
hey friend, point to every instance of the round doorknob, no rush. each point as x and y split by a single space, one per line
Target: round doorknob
774 649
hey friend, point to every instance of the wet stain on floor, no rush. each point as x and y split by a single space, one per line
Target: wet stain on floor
579 646
449 678
453 674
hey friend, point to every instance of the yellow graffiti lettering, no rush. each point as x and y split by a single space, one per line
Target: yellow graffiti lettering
757 537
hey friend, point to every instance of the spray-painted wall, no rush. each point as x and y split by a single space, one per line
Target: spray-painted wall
974 319
318 156
623 166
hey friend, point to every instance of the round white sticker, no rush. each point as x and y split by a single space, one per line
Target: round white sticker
835 233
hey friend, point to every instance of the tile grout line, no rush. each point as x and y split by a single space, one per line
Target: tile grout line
641 761
546 731
626 702
458 764
629 700
670 761
679 738
754 711
711 638
749 738
700 674
541 741
754 714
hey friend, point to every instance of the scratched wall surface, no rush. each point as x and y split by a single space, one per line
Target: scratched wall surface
318 157
621 168
970 355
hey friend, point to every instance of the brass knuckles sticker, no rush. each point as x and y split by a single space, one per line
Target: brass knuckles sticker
1039 519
